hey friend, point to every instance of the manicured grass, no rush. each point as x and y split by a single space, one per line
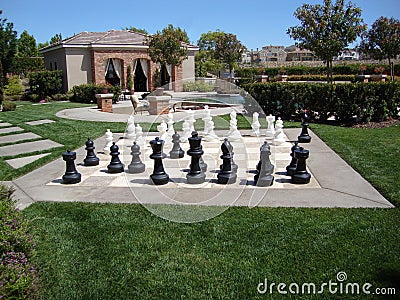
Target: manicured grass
109 251
374 153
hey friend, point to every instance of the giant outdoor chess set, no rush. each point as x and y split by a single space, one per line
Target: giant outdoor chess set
190 160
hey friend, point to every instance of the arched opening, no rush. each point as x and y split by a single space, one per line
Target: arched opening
140 75
113 72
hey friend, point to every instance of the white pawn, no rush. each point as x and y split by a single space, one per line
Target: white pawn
187 133
109 141
211 136
233 134
191 120
139 136
270 129
207 118
255 125
130 131
162 129
170 123
279 137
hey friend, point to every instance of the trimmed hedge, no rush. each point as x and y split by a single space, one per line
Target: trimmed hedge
46 83
85 93
348 102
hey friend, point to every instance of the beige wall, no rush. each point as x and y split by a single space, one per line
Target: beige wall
57 57
188 70
79 67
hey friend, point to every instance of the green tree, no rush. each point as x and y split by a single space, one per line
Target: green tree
27 45
382 41
205 59
55 39
138 30
42 45
8 48
327 29
228 50
167 47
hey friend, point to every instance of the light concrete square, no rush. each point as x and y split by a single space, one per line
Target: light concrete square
39 122
10 129
28 147
18 137
17 163
5 124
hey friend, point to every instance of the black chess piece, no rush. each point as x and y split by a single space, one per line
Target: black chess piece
304 137
195 175
71 174
203 165
226 174
291 168
136 165
258 167
115 166
264 176
234 166
301 176
91 159
159 176
176 151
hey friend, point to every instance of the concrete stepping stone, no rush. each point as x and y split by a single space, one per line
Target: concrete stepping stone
4 124
18 137
12 150
39 122
17 163
10 129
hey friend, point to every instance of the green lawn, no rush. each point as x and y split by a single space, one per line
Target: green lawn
111 251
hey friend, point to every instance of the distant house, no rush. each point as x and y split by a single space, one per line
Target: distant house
103 57
348 54
294 53
273 53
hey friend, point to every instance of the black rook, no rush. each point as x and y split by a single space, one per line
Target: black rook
71 174
159 176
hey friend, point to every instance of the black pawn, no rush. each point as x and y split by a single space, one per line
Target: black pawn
176 151
159 176
264 176
91 159
234 166
195 175
301 176
291 168
304 137
258 167
226 175
115 166
136 165
71 174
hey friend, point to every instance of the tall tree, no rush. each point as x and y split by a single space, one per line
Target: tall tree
205 59
327 29
8 48
167 48
228 50
56 38
382 41
136 29
27 45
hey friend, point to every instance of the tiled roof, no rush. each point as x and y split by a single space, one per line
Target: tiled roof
109 38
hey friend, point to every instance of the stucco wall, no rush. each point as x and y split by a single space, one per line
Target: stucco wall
57 57
79 66
188 68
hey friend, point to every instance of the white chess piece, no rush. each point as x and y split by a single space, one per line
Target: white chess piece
207 118
170 123
162 129
279 137
211 136
130 131
109 141
255 125
191 120
139 136
187 132
233 134
271 128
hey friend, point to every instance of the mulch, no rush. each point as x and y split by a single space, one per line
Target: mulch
384 124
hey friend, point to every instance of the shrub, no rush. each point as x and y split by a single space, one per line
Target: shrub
46 83
13 87
202 87
18 275
365 101
86 93
9 106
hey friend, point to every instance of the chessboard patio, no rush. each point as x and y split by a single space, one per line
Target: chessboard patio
334 183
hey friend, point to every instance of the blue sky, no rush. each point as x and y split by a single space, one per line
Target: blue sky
255 22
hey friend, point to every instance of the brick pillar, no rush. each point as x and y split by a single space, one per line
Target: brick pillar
177 76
